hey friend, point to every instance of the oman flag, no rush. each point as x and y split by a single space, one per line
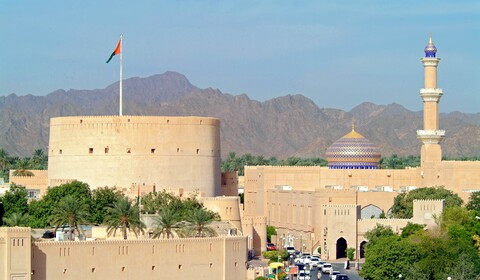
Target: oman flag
117 50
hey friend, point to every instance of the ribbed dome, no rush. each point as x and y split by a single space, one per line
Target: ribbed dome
353 151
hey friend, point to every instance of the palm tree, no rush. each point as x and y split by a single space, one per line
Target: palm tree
16 220
39 159
21 168
166 223
199 219
122 214
4 159
72 211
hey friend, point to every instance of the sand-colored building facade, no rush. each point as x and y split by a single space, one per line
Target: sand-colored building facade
123 151
332 208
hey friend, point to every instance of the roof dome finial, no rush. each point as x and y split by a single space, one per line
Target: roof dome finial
353 126
430 49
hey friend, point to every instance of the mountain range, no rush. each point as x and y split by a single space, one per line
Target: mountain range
285 126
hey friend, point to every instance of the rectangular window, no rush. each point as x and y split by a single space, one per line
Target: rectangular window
152 151
90 150
129 150
106 150
60 151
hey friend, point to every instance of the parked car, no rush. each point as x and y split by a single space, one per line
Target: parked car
334 274
320 264
327 268
342 277
271 247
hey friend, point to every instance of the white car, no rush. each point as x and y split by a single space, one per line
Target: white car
327 268
303 276
314 261
334 274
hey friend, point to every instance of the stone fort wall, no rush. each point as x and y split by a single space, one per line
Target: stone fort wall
205 258
199 258
121 151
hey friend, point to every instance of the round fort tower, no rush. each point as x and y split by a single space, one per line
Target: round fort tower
123 151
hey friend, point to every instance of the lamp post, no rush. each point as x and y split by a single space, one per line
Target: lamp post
301 242
400 276
449 278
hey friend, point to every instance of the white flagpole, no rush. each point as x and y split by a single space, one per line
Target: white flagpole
121 58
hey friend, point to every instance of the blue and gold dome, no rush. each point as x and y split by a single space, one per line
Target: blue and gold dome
353 151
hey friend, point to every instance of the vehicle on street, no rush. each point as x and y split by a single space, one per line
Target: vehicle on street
320 264
271 247
314 260
342 277
327 268
303 276
290 250
334 274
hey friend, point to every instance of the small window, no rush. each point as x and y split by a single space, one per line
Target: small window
93 269
129 151
198 150
33 271
153 267
90 150
123 268
81 121
60 151
64 270
168 121
178 150
128 120
106 150
152 151
211 264
201 121
179 266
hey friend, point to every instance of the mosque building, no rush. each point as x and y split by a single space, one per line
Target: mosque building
332 207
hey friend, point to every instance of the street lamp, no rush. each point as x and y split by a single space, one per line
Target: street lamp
400 276
477 217
449 278
301 242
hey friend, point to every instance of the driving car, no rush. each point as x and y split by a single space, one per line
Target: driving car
327 268
271 247
342 277
314 260
290 250
334 274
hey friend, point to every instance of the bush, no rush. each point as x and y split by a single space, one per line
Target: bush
350 253
261 278
273 255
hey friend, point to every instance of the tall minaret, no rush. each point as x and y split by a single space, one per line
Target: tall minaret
430 136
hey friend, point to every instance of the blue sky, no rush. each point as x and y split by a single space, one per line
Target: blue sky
337 53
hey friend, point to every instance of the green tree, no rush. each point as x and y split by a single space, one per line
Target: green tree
388 257
199 220
474 202
411 229
166 223
124 215
101 199
72 211
16 220
403 203
41 210
378 232
350 253
271 230
39 160
21 168
15 200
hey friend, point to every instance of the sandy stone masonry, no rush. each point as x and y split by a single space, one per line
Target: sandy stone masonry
123 151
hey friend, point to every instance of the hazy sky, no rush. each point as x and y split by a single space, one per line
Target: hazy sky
338 53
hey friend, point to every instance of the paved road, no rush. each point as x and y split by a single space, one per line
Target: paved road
352 273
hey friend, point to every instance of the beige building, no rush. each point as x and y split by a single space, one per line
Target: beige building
121 151
332 207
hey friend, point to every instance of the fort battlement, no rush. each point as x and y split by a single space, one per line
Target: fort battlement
339 205
166 120
233 198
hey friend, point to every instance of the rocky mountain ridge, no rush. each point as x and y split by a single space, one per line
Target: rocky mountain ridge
291 125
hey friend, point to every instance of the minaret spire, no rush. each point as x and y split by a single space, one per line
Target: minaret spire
430 136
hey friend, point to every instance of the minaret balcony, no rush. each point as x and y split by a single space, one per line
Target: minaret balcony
430 61
431 136
431 94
